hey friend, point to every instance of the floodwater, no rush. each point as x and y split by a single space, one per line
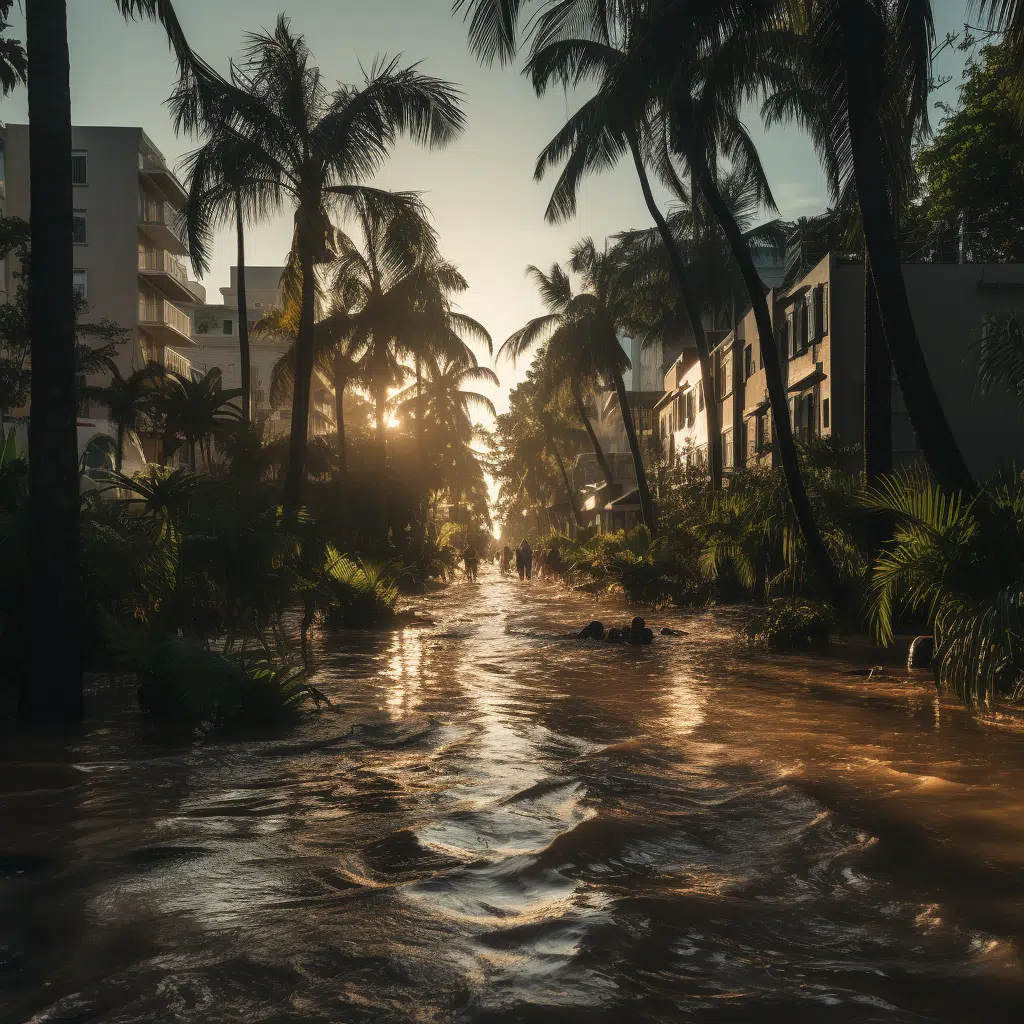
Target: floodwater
494 824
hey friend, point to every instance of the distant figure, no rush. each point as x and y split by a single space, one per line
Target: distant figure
541 563
505 557
524 560
592 631
555 565
471 560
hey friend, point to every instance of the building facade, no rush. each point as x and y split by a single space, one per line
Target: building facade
129 256
215 334
819 332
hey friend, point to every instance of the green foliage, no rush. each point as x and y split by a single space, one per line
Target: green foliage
976 156
792 623
183 681
1001 357
352 593
962 563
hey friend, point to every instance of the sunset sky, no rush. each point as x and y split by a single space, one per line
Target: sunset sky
487 208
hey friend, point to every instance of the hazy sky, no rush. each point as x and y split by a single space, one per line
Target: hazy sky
487 208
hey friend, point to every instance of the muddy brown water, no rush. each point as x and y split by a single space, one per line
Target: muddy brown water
496 824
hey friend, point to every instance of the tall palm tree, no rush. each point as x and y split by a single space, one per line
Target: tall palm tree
567 350
392 297
129 401
52 691
197 410
297 143
608 126
862 83
599 313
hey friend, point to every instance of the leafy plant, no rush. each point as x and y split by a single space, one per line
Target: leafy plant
792 623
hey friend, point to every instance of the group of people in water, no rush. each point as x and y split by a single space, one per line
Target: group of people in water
547 563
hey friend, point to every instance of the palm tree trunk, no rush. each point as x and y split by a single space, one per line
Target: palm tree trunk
581 411
382 454
569 492
119 454
243 316
937 441
192 456
783 430
51 670
340 383
646 502
693 314
295 473
877 387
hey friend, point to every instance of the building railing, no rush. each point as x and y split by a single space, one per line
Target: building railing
159 261
177 363
156 211
160 311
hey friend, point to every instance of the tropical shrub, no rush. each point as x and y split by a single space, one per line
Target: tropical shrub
962 563
792 623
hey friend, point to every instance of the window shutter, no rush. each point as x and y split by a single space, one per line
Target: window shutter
824 310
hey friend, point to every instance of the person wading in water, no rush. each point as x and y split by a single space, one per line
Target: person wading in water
524 559
470 559
506 560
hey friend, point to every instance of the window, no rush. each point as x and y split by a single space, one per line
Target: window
802 413
723 373
790 348
826 421
824 310
727 452
79 167
81 284
749 368
700 396
80 230
753 436
227 327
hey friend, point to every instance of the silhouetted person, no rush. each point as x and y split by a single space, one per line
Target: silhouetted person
639 632
541 563
524 559
555 565
470 559
592 631
506 560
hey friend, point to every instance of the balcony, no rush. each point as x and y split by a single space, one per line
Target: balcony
161 319
157 223
177 363
159 267
155 172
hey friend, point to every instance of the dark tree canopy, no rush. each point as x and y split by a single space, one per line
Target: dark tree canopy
975 166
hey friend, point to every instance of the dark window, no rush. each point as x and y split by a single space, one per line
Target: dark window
825 420
79 167
790 334
81 284
227 327
80 229
749 369
824 310
700 396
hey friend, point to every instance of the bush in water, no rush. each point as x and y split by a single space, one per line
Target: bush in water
792 624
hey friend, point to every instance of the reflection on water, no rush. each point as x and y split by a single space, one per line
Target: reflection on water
494 823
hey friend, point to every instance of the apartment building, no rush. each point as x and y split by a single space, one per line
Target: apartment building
215 334
129 254
819 331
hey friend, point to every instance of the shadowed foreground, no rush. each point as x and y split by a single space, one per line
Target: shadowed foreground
494 824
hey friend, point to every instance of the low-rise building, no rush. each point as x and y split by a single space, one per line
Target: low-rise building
819 331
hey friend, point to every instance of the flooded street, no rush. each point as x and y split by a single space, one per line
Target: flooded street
496 824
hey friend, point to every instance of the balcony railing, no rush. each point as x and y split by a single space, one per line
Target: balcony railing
156 211
164 314
159 261
177 363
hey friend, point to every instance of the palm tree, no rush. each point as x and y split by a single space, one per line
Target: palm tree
54 692
567 351
276 98
129 402
392 302
599 313
196 410
13 65
608 126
